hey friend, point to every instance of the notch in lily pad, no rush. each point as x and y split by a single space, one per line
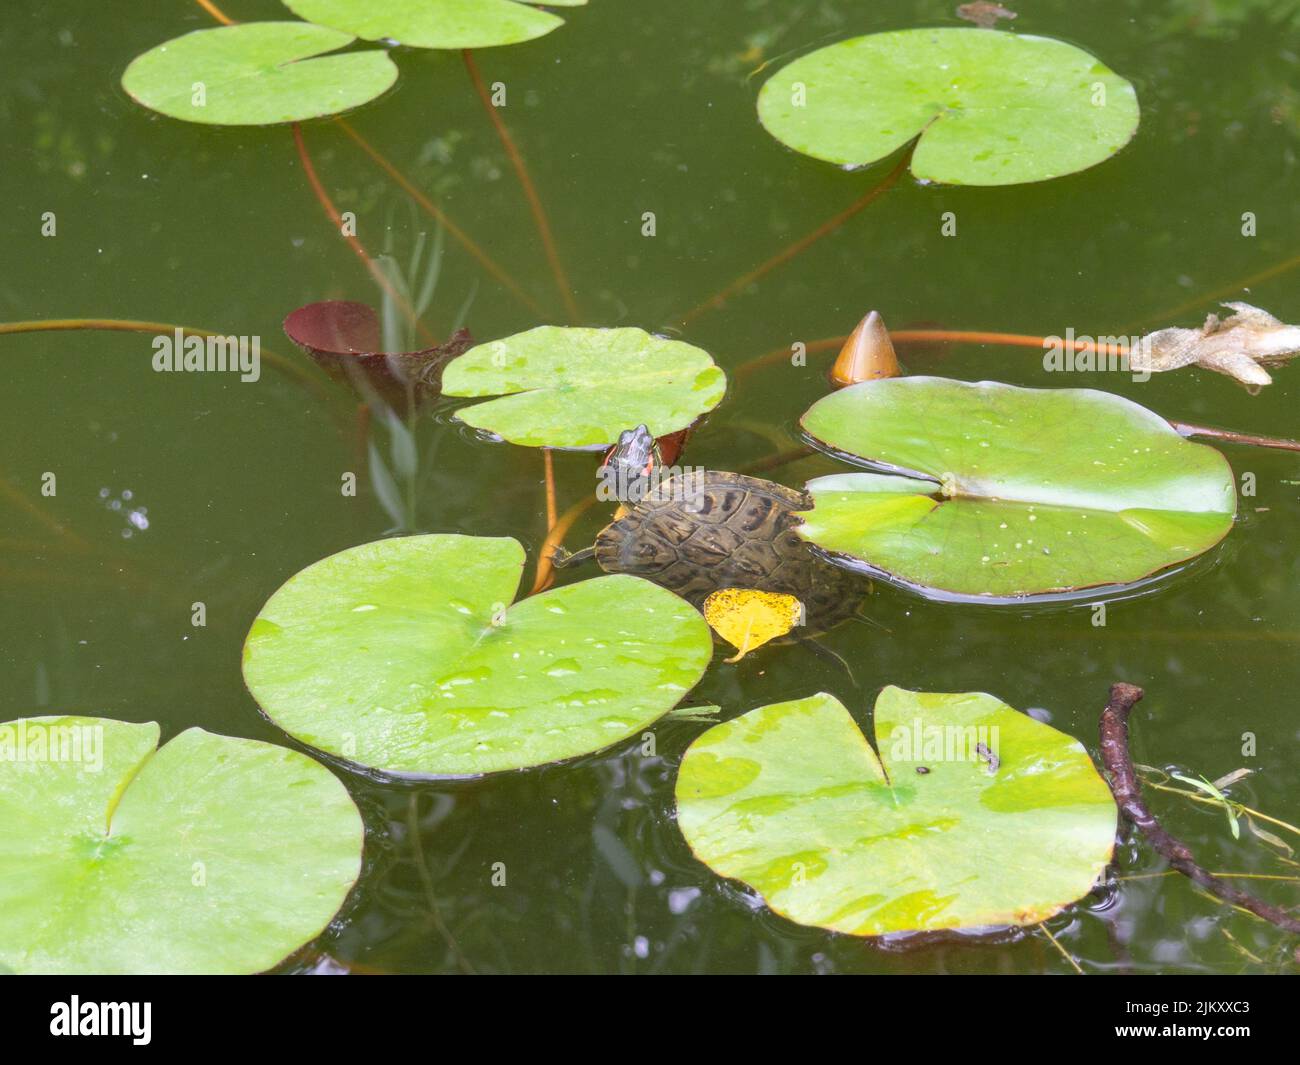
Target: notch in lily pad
435 23
404 657
993 492
988 107
257 74
967 815
571 387
208 855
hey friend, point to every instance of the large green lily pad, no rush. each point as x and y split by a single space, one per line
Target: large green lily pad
1005 492
990 108
571 387
256 74
432 23
404 655
793 801
211 855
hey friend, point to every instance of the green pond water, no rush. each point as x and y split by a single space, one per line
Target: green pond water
629 108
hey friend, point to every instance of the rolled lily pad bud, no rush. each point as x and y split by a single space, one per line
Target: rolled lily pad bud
867 355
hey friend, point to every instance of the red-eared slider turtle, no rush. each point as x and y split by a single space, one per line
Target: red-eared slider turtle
696 532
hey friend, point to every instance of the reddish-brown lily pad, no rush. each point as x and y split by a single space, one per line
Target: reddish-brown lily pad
343 336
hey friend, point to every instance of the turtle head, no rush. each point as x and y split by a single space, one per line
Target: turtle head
631 461
635 453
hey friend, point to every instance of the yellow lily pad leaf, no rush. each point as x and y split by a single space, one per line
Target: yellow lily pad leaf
747 618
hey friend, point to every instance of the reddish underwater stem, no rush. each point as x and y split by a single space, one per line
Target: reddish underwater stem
333 213
215 12
438 214
790 251
530 190
132 325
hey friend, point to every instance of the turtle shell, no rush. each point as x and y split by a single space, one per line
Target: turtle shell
697 533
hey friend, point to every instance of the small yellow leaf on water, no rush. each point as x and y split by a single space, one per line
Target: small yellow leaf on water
748 618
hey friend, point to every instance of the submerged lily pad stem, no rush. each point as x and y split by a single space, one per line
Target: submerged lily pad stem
554 537
919 336
790 251
1234 290
215 12
425 204
1128 796
1064 953
548 465
332 213
439 215
328 205
18 499
131 325
530 190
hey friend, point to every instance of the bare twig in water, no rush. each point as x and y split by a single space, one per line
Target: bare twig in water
1128 796
1250 439
1226 876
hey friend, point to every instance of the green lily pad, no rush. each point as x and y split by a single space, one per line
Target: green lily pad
990 108
1004 492
431 23
401 655
793 801
257 74
210 855
571 387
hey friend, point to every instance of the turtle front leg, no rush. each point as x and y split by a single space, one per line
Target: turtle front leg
561 558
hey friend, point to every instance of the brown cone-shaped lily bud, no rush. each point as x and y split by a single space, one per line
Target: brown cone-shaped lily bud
868 355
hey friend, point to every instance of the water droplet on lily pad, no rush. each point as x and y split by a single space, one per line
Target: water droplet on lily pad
257 74
433 23
461 704
208 855
934 522
1009 823
576 387
989 108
